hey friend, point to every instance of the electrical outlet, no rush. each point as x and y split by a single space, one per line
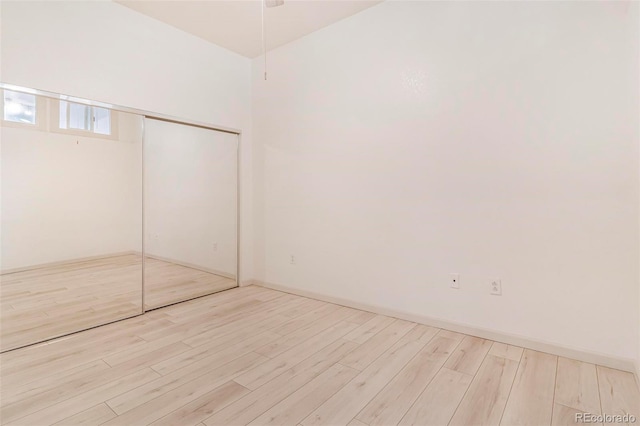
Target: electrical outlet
292 260
215 246
496 287
454 280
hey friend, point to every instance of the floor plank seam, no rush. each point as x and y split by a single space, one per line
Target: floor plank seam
381 354
109 407
265 384
600 396
394 376
555 385
434 375
67 399
332 395
468 387
511 388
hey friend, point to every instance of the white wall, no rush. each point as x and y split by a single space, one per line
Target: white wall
104 51
190 196
492 139
67 197
404 143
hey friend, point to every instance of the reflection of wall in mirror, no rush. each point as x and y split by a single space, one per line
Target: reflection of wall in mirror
190 196
68 197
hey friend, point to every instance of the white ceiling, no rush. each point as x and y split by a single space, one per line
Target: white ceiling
236 24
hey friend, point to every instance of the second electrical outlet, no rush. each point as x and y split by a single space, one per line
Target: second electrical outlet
496 287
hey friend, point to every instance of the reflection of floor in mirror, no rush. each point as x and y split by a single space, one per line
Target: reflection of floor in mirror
167 283
50 301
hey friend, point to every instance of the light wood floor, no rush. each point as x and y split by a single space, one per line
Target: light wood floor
256 356
51 301
166 283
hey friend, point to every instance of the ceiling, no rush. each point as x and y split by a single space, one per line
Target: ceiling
236 24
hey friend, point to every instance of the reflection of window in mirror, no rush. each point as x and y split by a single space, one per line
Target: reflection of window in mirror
19 107
86 120
22 110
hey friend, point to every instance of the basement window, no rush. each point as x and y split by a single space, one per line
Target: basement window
19 108
84 118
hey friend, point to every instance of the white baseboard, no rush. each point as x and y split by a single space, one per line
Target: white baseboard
66 262
124 253
592 357
192 266
246 283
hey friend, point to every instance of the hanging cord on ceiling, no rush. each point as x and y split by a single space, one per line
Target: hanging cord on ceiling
264 39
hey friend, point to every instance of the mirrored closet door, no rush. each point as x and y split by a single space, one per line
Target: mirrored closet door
71 217
190 212
73 174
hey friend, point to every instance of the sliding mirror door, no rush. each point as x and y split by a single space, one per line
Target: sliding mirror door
71 224
190 187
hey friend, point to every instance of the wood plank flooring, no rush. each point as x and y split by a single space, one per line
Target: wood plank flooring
256 356
54 300
166 283
50 301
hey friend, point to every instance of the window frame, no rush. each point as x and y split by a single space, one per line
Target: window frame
55 122
41 113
